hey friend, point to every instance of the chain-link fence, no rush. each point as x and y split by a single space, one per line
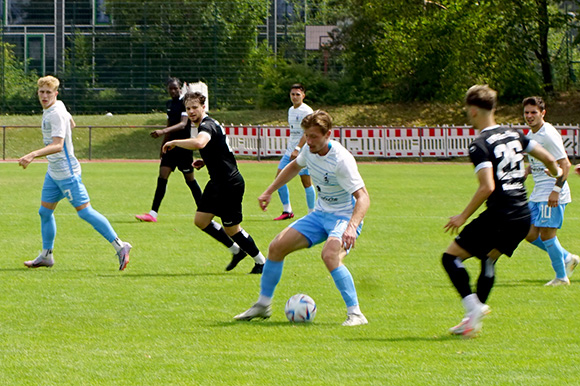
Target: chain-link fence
116 55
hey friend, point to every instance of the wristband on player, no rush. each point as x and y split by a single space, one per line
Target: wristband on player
297 148
557 189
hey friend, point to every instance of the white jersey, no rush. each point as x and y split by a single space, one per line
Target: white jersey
295 117
551 140
335 176
56 123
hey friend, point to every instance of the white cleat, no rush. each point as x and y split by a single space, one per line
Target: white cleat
474 321
355 320
256 311
40 261
458 330
571 264
557 282
123 255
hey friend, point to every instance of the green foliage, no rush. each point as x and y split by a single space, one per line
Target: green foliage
17 88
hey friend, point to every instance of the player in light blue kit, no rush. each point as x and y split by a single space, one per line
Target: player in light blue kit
550 195
296 114
337 219
63 178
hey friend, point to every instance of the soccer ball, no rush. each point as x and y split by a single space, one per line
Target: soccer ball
300 308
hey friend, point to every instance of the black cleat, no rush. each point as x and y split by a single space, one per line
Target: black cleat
236 259
258 268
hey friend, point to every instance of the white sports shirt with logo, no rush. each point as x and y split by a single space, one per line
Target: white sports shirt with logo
56 123
551 140
335 177
295 117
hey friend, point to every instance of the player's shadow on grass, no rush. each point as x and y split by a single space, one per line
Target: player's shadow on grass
522 283
167 274
407 339
269 323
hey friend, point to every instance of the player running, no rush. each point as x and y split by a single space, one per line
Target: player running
497 154
550 195
63 178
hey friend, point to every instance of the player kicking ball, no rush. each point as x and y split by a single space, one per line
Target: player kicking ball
497 154
336 221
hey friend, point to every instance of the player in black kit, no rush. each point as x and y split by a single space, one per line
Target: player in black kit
223 194
497 154
178 127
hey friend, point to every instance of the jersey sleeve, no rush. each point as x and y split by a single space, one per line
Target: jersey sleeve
206 127
59 122
301 159
479 156
554 145
348 176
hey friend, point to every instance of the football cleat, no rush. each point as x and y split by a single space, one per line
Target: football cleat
571 264
355 320
123 255
557 282
40 261
474 322
284 216
256 311
458 330
146 217
258 268
236 259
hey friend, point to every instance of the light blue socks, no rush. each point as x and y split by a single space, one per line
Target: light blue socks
557 256
271 275
99 222
345 284
47 227
310 197
284 194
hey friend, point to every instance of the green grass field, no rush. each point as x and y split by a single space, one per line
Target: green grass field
167 319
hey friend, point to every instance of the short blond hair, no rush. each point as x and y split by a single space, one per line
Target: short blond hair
320 119
49 81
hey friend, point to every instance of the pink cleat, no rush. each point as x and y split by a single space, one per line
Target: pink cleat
146 217
284 216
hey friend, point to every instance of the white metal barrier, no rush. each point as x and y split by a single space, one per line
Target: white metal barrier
380 141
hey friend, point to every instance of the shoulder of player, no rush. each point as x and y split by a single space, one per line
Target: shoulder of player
208 123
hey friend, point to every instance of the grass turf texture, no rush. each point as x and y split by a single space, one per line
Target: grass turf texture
167 319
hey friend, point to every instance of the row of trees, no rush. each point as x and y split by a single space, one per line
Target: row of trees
396 50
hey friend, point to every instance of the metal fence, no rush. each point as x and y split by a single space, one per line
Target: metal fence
117 55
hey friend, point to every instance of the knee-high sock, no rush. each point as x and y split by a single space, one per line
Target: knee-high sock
540 244
284 194
248 245
47 227
216 231
159 193
195 190
557 255
486 279
310 197
457 273
99 222
270 277
345 284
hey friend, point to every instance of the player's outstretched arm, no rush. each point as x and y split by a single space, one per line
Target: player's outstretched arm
179 126
486 187
52 148
290 171
547 159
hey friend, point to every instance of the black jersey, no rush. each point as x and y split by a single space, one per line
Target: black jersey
502 148
175 110
217 154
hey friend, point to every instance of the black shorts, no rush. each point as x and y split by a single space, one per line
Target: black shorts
178 158
224 200
488 231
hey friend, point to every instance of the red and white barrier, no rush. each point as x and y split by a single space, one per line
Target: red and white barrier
378 141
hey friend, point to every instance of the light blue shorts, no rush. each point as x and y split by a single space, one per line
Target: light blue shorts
72 189
286 160
544 216
319 226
